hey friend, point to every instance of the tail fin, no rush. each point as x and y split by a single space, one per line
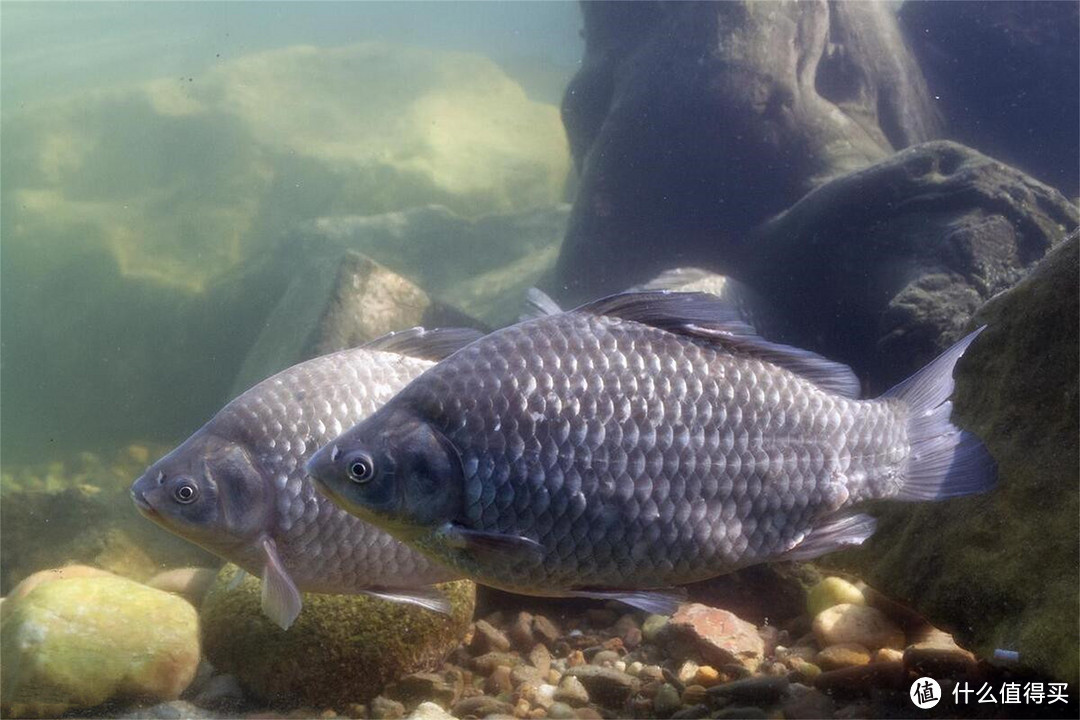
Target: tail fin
945 461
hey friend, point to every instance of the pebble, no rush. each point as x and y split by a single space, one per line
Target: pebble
606 686
804 652
842 655
651 673
802 670
521 633
667 700
706 676
572 692
887 655
634 668
576 658
522 708
652 627
601 617
687 672
605 658
383 708
561 711
545 631
752 689
544 695
589 713
830 592
866 626
486 638
429 711
418 687
938 655
717 636
632 638
527 674
480 706
498 681
540 658
486 664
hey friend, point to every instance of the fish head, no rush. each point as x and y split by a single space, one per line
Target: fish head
208 491
395 470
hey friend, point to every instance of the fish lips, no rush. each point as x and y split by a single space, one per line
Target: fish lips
141 503
320 468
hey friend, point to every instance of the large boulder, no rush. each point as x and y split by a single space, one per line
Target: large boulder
342 649
76 643
141 224
483 265
693 122
1001 570
883 268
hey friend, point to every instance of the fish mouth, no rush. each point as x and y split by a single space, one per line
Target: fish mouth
141 503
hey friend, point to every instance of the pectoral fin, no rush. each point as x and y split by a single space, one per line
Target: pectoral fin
427 598
280 599
492 546
658 601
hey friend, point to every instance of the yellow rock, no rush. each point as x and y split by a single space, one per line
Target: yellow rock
832 591
79 642
842 655
43 576
848 623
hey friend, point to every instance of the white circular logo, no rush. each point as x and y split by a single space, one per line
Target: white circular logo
925 693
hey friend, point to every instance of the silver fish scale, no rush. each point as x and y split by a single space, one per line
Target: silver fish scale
638 457
283 421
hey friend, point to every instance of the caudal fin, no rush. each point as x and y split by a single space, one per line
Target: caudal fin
945 461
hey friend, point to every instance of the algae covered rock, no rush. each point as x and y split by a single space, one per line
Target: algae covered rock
1000 570
342 649
79 642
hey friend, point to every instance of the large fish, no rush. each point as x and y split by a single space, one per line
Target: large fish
641 442
237 487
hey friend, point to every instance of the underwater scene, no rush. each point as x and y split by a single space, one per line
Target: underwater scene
540 360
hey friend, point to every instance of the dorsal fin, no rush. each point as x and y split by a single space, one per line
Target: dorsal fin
538 304
709 318
675 278
434 344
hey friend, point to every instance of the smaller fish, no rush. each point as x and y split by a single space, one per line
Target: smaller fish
237 487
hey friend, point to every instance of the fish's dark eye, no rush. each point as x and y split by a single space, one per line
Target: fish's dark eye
185 493
361 468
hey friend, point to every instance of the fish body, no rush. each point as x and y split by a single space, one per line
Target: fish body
638 443
237 487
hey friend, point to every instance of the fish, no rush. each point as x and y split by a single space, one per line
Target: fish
237 486
642 442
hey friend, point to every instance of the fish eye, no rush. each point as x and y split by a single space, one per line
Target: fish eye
361 468
185 493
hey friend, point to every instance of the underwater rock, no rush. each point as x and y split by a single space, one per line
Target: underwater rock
691 123
832 591
999 570
714 636
883 268
429 711
859 624
1004 75
342 649
843 655
41 577
338 299
79 642
135 218
484 265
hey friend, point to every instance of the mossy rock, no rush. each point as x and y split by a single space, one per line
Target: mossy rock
342 649
1001 570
